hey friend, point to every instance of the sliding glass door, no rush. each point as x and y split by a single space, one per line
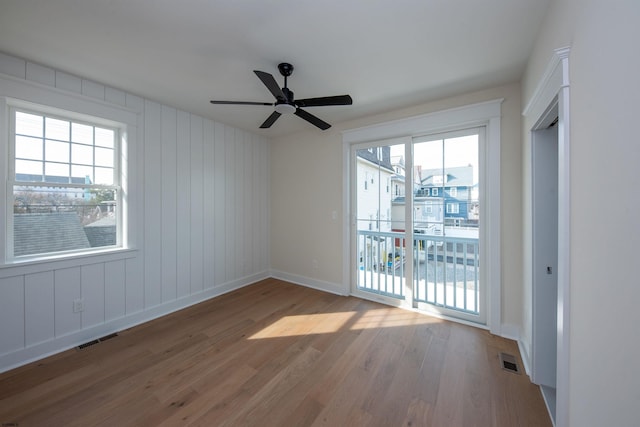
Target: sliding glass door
426 191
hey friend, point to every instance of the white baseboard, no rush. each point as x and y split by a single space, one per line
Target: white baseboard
512 332
320 285
59 344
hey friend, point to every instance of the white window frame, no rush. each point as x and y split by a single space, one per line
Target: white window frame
94 122
25 95
453 192
486 114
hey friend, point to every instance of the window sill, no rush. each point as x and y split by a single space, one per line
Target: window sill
39 264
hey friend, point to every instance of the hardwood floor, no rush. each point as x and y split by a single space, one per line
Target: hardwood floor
277 354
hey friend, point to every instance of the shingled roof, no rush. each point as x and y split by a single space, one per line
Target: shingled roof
102 232
37 233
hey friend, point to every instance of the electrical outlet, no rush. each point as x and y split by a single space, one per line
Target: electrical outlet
78 305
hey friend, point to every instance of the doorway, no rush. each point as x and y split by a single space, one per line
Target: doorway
544 145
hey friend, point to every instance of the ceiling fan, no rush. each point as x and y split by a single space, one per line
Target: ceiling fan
285 102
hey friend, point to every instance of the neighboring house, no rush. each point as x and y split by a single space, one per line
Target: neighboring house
455 187
375 173
71 193
398 177
427 214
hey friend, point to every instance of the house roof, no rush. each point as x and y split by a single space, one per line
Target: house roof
47 232
461 176
101 232
384 161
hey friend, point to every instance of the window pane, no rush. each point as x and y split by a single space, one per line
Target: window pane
28 148
81 154
57 129
104 157
105 137
57 151
56 172
104 176
28 124
81 174
63 219
82 133
28 167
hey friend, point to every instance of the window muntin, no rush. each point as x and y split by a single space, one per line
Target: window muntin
64 175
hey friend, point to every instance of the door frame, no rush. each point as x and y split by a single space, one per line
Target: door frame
555 84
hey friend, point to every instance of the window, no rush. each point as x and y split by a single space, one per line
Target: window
453 192
453 208
64 184
434 191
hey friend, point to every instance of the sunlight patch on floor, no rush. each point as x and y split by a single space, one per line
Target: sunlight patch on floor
327 323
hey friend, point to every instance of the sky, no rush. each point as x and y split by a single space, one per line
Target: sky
459 151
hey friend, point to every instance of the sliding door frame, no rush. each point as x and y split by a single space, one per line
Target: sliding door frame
485 114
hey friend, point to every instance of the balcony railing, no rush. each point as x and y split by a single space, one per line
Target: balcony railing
446 273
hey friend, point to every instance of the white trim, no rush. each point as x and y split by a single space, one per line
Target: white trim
15 92
552 80
321 285
555 83
439 121
42 350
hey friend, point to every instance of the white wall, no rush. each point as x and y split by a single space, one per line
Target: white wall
313 161
200 219
605 153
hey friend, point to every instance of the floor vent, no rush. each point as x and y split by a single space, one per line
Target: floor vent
509 363
88 344
108 337
94 342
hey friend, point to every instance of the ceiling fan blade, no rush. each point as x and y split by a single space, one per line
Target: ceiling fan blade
270 120
270 83
325 100
312 119
241 103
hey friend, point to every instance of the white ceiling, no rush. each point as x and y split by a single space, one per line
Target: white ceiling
386 54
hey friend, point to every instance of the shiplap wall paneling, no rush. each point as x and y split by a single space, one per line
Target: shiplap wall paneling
256 206
197 205
38 73
262 164
134 286
246 252
230 196
152 204
219 195
38 305
12 314
168 230
66 289
183 207
239 202
92 291
209 204
68 82
114 290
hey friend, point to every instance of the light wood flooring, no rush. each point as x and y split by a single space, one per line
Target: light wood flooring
278 354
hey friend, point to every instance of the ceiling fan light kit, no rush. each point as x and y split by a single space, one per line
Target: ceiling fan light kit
285 101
